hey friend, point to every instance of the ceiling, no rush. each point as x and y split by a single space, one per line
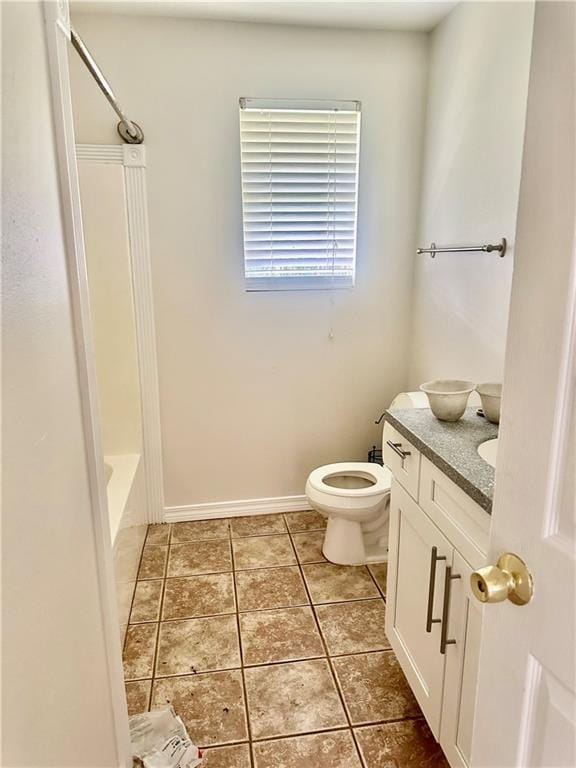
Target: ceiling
379 14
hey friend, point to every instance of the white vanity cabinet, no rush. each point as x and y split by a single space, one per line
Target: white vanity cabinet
438 536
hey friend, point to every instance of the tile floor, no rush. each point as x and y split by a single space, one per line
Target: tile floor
273 657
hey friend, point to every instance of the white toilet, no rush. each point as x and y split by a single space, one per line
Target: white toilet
355 497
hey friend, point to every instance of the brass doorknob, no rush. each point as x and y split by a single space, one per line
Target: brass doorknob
509 579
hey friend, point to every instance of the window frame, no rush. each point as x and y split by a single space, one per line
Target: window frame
302 282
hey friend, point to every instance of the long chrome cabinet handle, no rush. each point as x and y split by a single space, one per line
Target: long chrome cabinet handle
434 557
397 448
448 578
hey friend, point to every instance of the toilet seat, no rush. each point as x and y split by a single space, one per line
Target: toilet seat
381 476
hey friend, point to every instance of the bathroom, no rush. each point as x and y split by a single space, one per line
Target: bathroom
282 535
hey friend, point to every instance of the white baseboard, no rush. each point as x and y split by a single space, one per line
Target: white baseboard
240 508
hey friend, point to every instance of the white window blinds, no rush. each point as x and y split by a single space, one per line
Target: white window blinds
299 193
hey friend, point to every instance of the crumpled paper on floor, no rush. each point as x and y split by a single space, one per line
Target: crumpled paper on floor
160 740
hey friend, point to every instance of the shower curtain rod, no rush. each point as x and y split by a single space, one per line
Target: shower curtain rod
128 130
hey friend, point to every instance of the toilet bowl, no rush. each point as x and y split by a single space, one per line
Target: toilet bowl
355 496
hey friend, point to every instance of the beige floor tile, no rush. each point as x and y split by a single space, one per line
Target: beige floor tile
237 756
408 744
335 749
197 645
285 634
380 573
200 530
305 521
270 588
206 595
308 546
262 552
158 534
153 562
138 696
329 583
374 688
257 525
211 705
205 557
286 699
353 627
139 650
146 605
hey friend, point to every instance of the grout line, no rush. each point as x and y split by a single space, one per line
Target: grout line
237 614
265 567
378 587
172 675
370 723
125 640
204 748
160 617
178 542
324 643
259 535
326 655
268 568
297 734
173 619
188 575
284 662
329 661
281 663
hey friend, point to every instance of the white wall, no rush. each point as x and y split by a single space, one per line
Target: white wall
111 305
56 700
479 67
254 392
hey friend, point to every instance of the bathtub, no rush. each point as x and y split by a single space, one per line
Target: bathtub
124 486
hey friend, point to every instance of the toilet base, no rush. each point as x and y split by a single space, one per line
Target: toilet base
344 544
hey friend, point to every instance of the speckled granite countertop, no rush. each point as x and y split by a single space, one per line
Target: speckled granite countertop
452 447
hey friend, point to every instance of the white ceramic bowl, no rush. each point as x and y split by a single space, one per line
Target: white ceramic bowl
491 395
448 397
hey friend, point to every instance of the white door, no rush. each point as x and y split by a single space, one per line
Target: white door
525 714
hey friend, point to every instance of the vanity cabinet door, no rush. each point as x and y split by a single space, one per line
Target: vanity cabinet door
417 560
464 626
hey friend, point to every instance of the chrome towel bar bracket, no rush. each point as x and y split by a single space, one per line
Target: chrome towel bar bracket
434 249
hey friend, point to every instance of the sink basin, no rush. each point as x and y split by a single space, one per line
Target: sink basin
488 451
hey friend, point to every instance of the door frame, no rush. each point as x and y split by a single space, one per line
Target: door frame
57 30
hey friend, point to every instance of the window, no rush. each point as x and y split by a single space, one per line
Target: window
299 193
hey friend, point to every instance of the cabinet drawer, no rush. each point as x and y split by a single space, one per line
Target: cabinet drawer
402 459
459 518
